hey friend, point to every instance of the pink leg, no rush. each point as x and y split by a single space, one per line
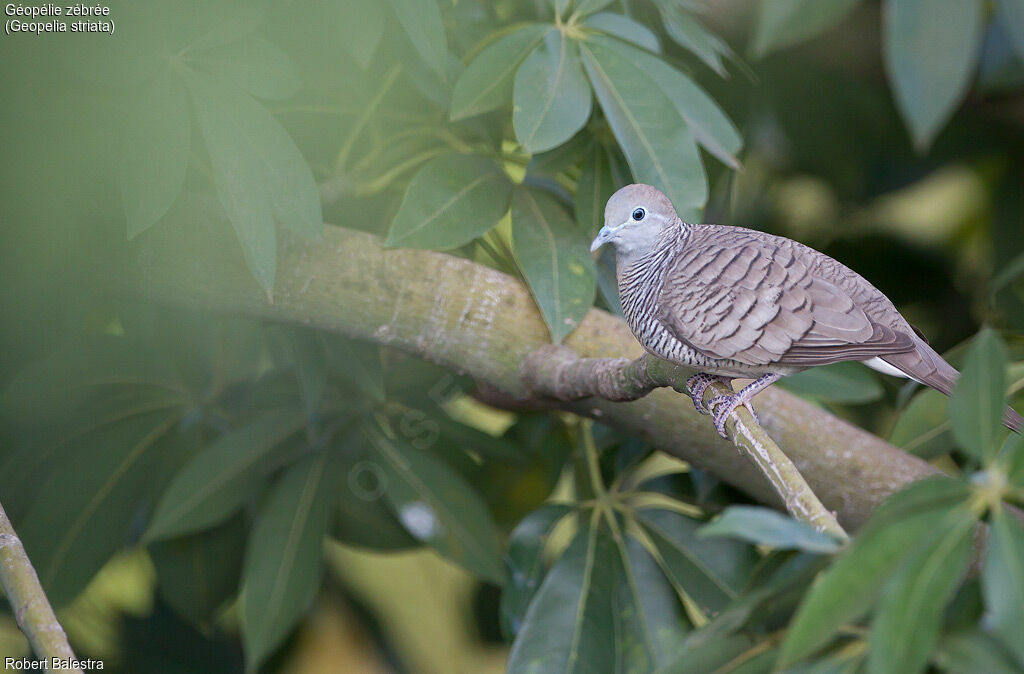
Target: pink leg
697 384
724 406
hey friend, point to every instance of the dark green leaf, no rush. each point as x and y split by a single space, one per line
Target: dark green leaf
769 527
562 158
848 382
787 22
970 653
906 627
524 563
850 586
552 253
1011 459
976 407
1011 14
711 572
254 64
653 135
1002 579
310 354
361 25
155 153
451 200
570 626
931 47
924 428
438 508
689 34
197 574
357 363
551 98
421 21
284 557
710 655
624 28
216 482
603 173
487 82
584 7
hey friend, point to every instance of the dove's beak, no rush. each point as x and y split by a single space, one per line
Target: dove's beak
603 237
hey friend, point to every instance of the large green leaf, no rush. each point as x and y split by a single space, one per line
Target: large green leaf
438 508
906 627
603 173
849 587
624 28
711 572
1002 579
256 65
972 652
924 428
690 34
421 21
652 133
487 81
709 125
284 557
552 254
931 47
765 526
976 407
787 22
847 382
551 99
154 158
451 200
215 483
361 26
524 563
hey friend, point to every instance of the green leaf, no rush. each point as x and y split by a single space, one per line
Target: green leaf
847 382
1002 579
310 355
259 174
652 134
356 363
972 652
284 557
215 483
87 502
256 65
551 100
1011 459
711 572
570 626
196 574
849 587
452 200
783 23
361 26
924 428
524 563
765 526
154 156
421 21
709 125
585 7
689 34
562 158
977 404
906 627
438 508
624 28
1011 15
931 47
603 173
487 82
552 254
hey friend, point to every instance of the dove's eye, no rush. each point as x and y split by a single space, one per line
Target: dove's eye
639 214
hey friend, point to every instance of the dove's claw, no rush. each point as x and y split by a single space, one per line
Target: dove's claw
724 406
697 384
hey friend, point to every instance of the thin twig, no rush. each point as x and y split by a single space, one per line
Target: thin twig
32 609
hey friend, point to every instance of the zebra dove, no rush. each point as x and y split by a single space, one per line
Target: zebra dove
737 303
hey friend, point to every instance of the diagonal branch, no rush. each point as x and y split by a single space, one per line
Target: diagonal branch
558 372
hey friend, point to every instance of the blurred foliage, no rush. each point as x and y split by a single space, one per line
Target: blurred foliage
174 475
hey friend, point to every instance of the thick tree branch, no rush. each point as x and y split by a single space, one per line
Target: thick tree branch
32 609
558 372
476 320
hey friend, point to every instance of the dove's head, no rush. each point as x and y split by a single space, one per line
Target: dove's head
634 219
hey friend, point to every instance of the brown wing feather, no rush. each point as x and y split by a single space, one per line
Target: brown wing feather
736 294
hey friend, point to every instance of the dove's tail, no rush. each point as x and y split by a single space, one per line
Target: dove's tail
926 366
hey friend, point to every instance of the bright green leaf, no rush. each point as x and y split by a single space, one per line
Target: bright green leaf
930 48
1002 578
421 21
552 253
624 28
976 407
652 133
452 200
847 382
551 98
487 81
256 65
284 557
783 23
154 157
361 26
765 526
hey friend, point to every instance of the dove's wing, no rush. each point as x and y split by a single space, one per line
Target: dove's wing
737 294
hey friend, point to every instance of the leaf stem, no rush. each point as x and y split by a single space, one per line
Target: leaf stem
364 117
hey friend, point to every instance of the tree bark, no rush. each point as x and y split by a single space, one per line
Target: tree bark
478 321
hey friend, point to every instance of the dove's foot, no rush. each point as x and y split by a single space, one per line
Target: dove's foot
697 384
724 406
